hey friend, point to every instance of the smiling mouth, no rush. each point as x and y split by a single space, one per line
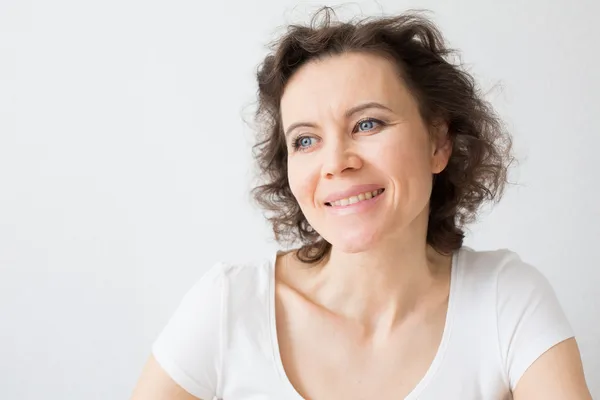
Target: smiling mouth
355 199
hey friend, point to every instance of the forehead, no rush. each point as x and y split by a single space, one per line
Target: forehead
331 85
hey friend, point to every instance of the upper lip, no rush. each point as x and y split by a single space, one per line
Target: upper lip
352 191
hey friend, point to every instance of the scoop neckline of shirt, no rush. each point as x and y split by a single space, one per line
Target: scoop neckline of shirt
433 367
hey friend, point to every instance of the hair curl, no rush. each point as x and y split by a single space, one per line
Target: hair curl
481 148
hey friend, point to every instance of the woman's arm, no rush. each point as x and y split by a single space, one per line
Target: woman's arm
555 375
156 384
186 356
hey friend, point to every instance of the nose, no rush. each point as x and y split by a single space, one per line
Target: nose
339 158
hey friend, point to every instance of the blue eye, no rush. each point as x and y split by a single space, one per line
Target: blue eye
367 124
303 143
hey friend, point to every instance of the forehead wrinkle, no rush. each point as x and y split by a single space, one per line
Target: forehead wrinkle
340 87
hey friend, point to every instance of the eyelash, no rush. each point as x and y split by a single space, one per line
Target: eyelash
296 142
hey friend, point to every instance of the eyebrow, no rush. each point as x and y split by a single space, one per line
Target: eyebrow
350 112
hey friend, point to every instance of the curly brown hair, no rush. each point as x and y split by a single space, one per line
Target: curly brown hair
481 148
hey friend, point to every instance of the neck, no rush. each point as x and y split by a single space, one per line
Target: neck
385 285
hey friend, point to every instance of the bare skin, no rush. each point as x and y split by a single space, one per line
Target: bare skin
370 318
333 349
156 384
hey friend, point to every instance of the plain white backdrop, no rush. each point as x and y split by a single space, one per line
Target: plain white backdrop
125 166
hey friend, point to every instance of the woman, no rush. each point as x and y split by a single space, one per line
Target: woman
375 152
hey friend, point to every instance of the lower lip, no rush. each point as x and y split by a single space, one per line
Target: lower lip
359 207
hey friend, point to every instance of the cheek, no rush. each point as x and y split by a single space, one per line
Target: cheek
302 181
404 159
406 162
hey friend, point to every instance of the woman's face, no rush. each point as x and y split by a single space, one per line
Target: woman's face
360 160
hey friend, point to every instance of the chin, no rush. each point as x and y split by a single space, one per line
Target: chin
353 241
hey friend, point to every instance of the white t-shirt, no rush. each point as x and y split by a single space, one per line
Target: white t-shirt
221 343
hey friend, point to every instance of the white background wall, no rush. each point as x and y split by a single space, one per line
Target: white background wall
124 166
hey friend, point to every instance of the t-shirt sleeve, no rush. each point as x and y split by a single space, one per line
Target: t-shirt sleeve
189 346
530 317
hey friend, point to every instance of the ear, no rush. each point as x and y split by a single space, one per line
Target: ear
441 147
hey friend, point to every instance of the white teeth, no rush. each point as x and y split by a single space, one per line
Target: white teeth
357 198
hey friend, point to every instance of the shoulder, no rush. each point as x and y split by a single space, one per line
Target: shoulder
490 260
249 275
191 346
225 284
502 269
225 272
513 285
501 285
220 282
529 317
